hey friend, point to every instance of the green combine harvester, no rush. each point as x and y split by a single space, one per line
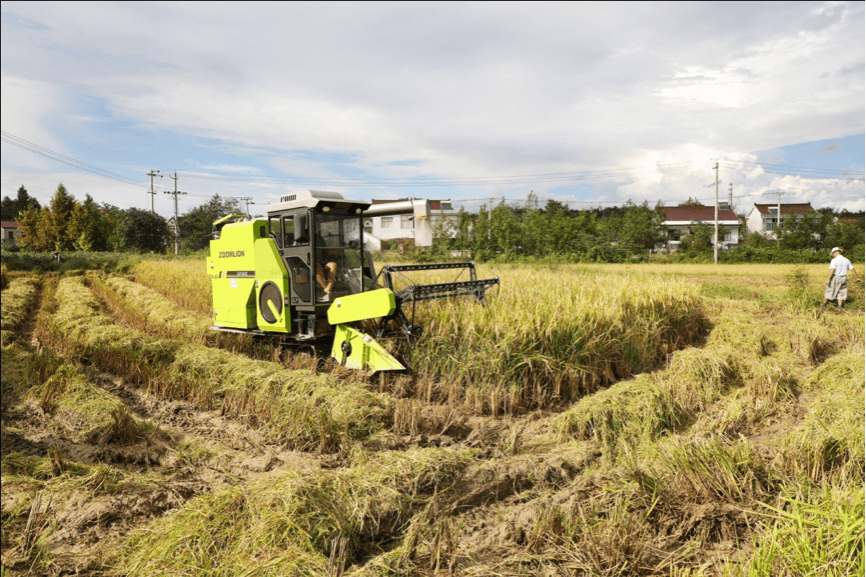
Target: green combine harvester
303 277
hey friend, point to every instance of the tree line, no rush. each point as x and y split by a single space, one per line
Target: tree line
67 224
618 234
503 231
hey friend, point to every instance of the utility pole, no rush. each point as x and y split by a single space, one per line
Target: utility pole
176 221
716 228
731 195
248 200
151 174
778 214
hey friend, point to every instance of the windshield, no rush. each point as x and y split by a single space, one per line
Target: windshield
338 231
338 256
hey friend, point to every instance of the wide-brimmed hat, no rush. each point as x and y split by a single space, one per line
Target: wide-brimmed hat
835 248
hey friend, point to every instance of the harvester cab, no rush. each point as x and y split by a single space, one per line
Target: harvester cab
304 276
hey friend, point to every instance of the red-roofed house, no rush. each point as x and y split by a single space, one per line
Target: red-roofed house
763 218
11 234
679 221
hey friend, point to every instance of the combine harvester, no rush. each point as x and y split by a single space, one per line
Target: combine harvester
303 277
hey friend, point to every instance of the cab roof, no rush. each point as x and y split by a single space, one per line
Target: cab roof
311 199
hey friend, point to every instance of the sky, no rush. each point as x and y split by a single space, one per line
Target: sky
591 104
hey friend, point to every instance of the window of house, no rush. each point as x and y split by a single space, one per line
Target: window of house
387 221
406 221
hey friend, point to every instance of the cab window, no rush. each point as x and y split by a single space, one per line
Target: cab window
276 230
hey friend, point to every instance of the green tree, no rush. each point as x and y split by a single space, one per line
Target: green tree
85 228
699 240
55 227
143 231
805 232
641 227
843 235
691 203
30 226
13 209
196 225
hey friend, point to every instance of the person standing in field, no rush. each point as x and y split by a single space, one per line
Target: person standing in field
837 281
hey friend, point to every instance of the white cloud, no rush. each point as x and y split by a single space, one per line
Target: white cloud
471 90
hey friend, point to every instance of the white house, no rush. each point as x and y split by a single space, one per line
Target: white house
10 232
404 218
763 218
679 221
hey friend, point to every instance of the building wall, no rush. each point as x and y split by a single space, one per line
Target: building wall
759 222
729 234
418 226
10 235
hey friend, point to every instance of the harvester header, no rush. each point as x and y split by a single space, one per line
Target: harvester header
303 276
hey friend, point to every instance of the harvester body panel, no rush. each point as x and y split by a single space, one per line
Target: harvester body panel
362 306
272 287
359 351
232 268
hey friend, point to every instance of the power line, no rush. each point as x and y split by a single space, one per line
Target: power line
62 158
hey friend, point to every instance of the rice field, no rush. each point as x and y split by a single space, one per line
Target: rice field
591 420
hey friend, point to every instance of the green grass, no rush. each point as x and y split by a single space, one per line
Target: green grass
817 533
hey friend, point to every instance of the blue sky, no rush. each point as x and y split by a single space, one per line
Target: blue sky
586 104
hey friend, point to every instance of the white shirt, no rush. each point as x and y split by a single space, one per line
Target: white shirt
842 265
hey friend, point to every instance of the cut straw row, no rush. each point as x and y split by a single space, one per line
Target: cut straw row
150 311
303 410
16 304
294 522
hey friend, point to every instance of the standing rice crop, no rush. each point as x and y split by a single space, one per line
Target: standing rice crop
550 336
185 282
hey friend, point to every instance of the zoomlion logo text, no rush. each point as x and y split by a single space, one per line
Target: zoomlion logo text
230 253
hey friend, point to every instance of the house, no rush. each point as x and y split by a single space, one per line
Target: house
401 219
851 219
763 218
11 232
679 221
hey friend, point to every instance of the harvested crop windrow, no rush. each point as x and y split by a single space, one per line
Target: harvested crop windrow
305 411
84 411
17 299
184 281
294 522
827 447
150 311
533 348
651 405
42 499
